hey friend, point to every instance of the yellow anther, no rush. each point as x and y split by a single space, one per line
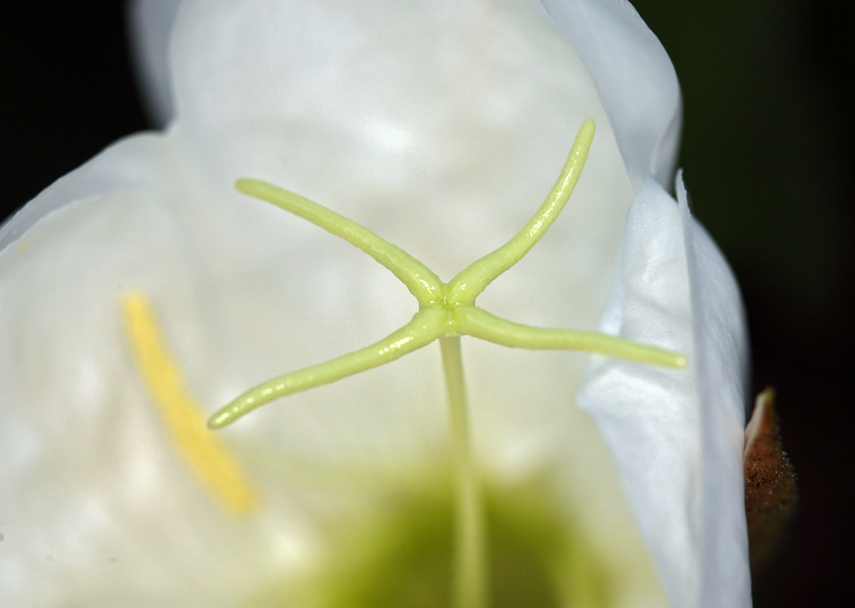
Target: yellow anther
205 454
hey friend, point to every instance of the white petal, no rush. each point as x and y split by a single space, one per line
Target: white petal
649 415
635 78
722 359
150 26
677 434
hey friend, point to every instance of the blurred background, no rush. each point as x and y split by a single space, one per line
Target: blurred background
769 159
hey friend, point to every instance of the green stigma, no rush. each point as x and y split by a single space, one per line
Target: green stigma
445 309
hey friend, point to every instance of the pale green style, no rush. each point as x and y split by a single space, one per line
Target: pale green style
445 309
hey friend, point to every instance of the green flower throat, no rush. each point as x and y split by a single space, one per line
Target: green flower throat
403 555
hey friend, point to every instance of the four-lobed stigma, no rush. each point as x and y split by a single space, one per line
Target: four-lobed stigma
445 309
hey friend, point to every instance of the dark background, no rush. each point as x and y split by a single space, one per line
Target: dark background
769 158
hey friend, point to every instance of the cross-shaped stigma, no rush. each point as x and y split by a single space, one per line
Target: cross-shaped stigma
445 309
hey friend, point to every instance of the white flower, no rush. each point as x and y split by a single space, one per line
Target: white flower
440 125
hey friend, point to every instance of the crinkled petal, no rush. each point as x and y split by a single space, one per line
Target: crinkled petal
649 415
676 434
721 346
635 78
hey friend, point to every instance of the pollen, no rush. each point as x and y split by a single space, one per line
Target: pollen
204 453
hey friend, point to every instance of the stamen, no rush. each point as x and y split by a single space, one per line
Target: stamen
205 454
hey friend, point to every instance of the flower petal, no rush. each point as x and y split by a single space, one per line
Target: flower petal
677 434
649 415
150 26
721 350
635 78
